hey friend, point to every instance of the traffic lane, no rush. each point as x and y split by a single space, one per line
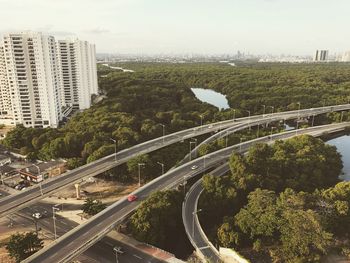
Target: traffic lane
75 245
34 192
102 250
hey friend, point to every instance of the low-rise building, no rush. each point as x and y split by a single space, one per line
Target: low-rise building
38 172
4 159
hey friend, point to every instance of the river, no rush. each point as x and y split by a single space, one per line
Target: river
343 146
212 97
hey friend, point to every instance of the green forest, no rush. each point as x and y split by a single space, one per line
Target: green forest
280 203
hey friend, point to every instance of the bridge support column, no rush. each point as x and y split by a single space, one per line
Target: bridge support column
77 191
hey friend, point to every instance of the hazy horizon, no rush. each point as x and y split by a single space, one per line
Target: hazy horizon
183 27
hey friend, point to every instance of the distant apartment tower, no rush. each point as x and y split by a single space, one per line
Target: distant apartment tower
321 55
78 73
33 82
345 57
39 77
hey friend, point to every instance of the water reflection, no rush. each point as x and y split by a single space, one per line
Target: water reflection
343 146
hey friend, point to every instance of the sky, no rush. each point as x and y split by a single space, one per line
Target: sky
296 27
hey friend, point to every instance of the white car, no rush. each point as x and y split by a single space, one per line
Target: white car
37 215
194 167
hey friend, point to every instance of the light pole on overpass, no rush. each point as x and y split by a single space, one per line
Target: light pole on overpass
272 109
139 165
54 220
313 120
249 119
163 126
194 213
115 148
264 110
234 114
272 132
161 164
201 121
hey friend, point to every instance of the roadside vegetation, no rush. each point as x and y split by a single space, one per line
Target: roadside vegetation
280 203
22 245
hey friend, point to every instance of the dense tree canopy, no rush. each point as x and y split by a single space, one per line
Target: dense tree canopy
301 163
21 246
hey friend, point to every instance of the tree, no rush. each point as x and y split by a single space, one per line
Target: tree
20 246
92 206
158 218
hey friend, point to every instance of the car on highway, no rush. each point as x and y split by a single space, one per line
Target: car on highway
132 198
37 215
194 167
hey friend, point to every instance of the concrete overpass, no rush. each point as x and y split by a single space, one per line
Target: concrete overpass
16 202
68 246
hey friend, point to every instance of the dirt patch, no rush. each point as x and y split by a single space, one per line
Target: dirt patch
107 191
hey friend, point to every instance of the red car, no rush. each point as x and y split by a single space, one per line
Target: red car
132 198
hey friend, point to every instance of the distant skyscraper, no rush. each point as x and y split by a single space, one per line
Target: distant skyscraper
346 56
321 55
38 78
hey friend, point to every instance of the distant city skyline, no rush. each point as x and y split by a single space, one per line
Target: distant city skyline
274 27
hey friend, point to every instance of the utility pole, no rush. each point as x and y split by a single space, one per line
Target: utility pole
115 148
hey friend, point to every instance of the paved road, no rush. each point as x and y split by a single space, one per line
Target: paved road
192 226
75 242
102 251
16 202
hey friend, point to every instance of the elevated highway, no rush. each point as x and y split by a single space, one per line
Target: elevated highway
68 246
18 201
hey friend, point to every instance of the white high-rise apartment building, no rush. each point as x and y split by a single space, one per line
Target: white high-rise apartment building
78 69
32 79
39 77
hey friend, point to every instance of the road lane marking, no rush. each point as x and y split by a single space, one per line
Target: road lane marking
136 256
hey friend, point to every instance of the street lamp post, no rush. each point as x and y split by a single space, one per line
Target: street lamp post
139 165
249 119
264 110
272 132
163 126
201 121
234 115
194 213
272 108
161 164
40 184
115 148
54 220
313 120
240 144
